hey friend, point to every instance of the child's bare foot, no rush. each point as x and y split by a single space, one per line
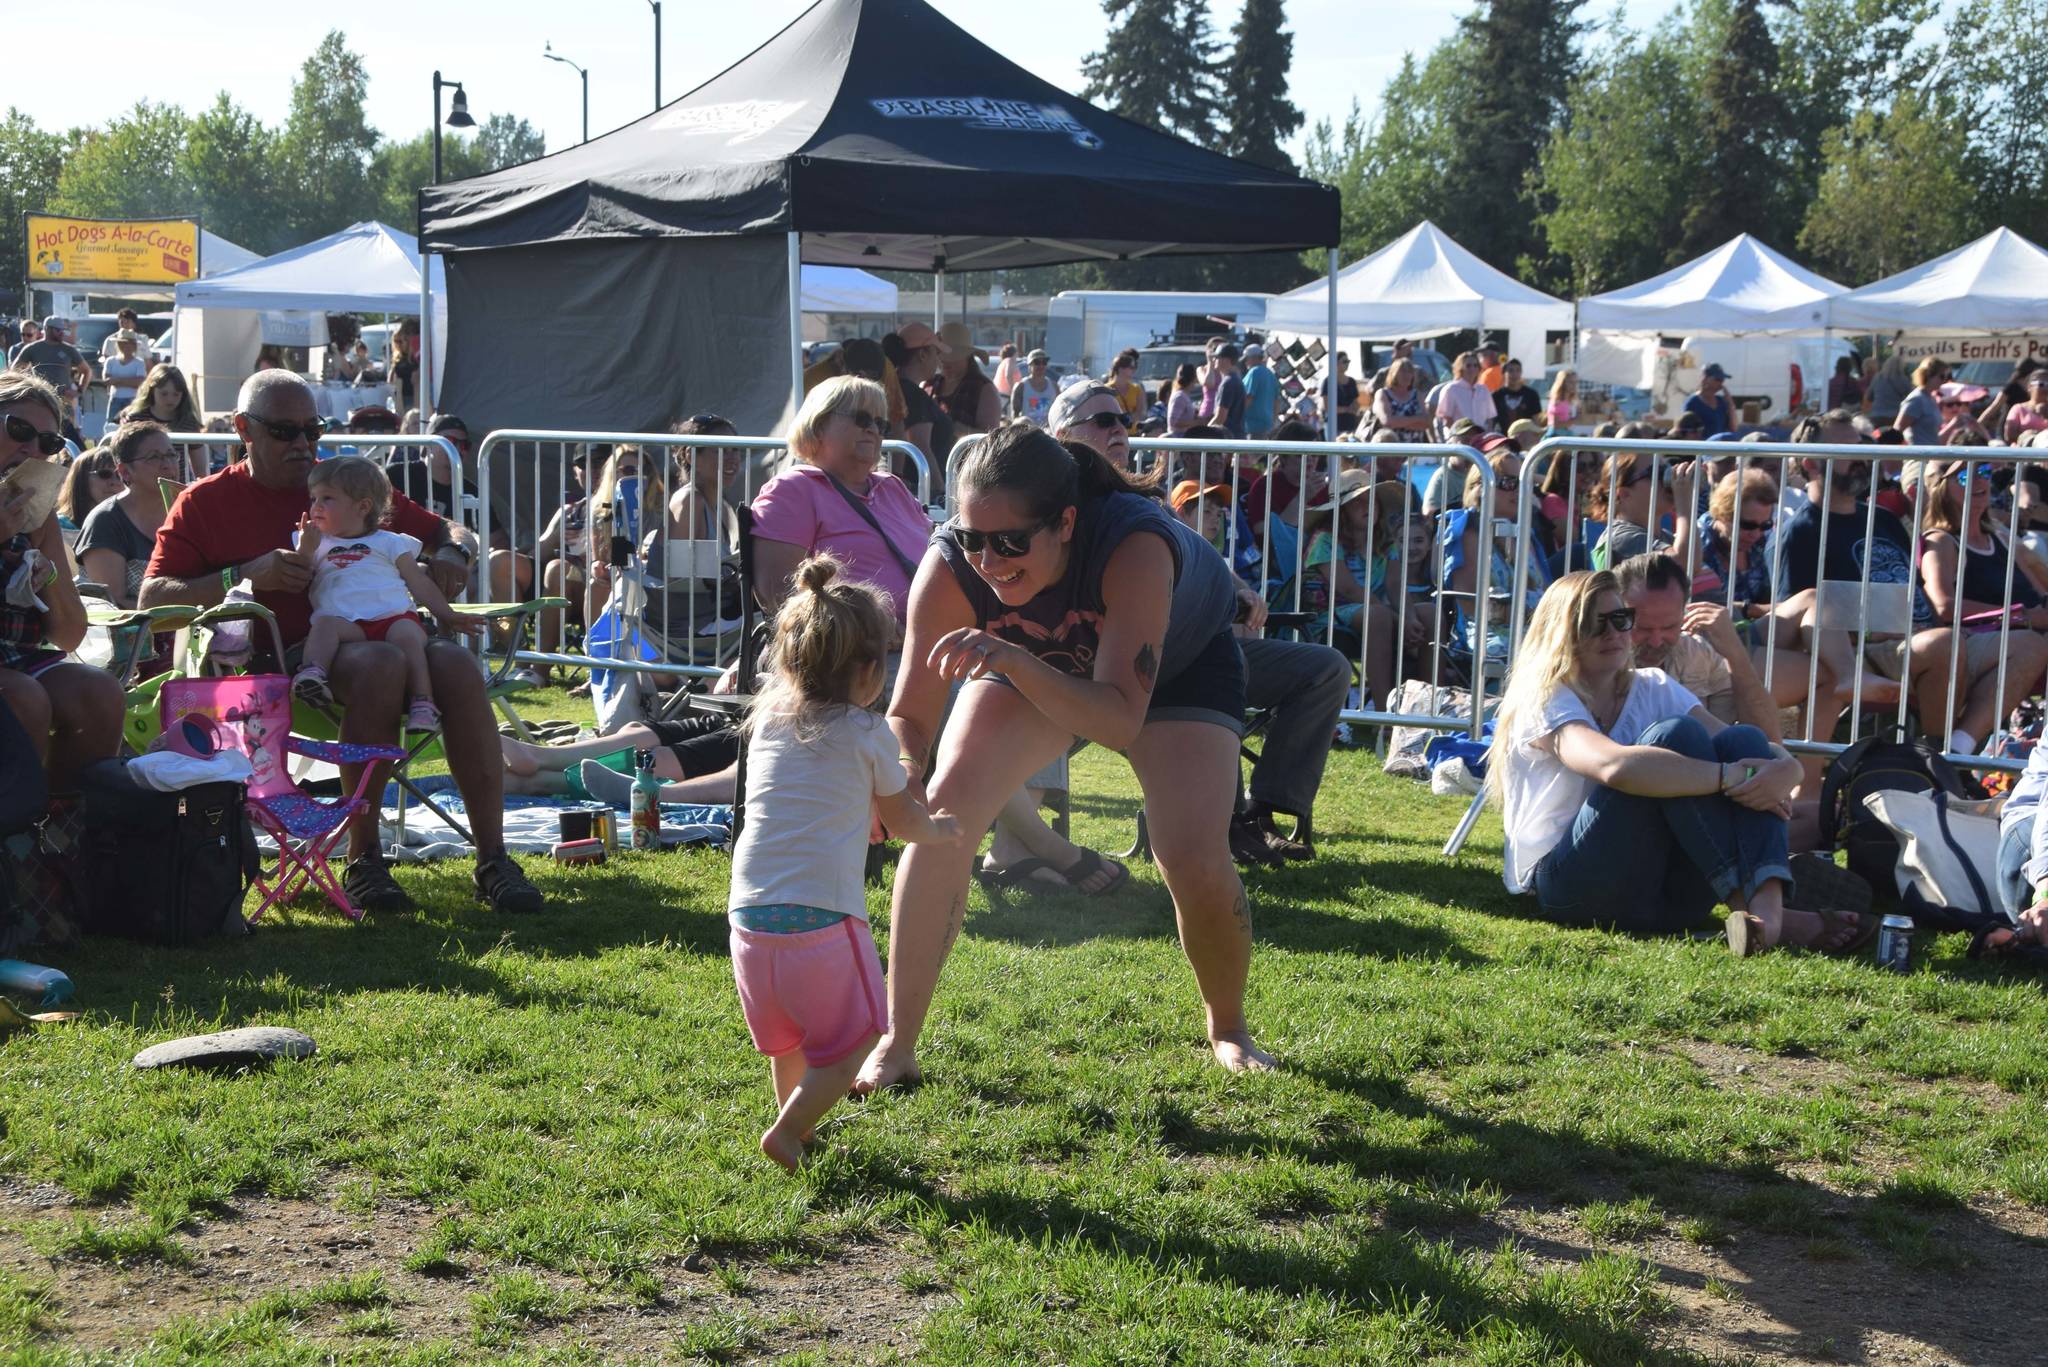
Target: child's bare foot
782 1149
888 1066
1235 1050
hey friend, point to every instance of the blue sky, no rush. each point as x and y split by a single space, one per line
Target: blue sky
186 52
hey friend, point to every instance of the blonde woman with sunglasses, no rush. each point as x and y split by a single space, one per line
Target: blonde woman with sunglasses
1627 804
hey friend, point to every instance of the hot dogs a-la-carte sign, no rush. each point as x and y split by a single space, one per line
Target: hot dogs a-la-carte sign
111 251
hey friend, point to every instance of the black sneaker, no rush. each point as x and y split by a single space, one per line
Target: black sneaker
1248 847
501 882
369 884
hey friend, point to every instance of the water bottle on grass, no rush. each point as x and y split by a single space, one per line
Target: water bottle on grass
44 987
646 802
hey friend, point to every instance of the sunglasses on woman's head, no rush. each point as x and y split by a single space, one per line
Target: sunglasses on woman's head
1009 545
21 429
1621 621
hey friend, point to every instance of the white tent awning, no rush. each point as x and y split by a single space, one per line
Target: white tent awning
1742 286
842 289
364 268
1999 283
1421 283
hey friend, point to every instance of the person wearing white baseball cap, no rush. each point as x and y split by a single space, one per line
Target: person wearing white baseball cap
1033 395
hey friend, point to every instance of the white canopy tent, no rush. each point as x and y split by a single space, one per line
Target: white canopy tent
843 289
1997 284
1423 284
1742 306
1739 288
223 320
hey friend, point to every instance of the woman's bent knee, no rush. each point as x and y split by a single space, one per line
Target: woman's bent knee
1742 742
1683 734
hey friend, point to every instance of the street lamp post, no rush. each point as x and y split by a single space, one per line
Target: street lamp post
548 51
458 117
655 5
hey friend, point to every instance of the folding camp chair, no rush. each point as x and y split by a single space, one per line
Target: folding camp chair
251 714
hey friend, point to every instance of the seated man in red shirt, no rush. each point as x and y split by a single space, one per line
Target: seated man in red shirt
238 524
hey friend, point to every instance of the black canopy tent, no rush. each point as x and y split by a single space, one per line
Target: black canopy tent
818 138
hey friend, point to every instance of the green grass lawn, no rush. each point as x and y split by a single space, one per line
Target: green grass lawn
1492 1140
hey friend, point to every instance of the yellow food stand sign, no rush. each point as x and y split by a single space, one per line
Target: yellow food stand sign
108 251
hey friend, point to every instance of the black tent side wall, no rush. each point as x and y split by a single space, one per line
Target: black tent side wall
618 336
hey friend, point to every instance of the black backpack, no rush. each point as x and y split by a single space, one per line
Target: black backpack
166 868
1882 762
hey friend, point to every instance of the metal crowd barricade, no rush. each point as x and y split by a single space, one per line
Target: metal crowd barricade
549 472
346 443
1779 461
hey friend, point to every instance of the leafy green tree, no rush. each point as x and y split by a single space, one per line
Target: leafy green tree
1624 170
1262 115
1157 67
507 141
1995 79
1744 133
323 166
31 161
1840 57
132 168
229 160
1522 54
1393 170
1894 191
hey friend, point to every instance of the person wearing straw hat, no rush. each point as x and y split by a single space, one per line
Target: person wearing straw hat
1354 536
124 372
961 387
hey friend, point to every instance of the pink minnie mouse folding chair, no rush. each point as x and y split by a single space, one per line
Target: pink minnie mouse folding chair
252 714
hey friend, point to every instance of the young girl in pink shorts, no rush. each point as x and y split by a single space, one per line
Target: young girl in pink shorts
817 759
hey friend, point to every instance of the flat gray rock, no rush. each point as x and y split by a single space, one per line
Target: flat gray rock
227 1049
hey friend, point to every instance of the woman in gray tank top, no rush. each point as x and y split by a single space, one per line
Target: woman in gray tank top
1070 603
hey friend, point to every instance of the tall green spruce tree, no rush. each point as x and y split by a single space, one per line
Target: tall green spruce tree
1261 117
1744 140
1522 57
1157 67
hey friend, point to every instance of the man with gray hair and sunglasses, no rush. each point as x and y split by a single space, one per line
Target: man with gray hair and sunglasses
237 526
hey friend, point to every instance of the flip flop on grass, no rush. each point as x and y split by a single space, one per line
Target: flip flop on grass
1038 874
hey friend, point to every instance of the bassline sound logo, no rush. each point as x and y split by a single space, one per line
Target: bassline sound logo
1002 116
739 120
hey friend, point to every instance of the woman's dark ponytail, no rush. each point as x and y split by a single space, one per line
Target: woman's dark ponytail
1098 476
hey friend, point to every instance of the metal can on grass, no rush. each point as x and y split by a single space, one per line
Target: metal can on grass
1895 944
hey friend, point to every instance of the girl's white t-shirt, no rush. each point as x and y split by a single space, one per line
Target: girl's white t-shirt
805 841
356 577
1540 797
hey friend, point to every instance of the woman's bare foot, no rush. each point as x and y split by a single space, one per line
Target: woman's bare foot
888 1066
788 1152
520 759
1235 1050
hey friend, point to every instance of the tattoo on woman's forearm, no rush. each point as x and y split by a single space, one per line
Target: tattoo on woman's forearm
1147 666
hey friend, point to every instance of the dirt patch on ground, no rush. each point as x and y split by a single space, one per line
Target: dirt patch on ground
861 1304
1732 1067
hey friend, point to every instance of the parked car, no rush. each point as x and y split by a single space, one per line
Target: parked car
1431 365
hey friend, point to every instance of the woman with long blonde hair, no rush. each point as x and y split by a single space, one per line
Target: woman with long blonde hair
1627 804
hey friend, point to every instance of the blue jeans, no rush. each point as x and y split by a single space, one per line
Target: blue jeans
1658 865
2014 848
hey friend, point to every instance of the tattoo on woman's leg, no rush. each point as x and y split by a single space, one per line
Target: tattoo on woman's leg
956 916
1243 910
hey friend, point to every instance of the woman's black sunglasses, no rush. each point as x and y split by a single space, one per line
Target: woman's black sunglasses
1621 621
866 422
1008 545
21 429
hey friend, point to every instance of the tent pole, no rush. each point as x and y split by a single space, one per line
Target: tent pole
796 323
426 374
938 296
1330 401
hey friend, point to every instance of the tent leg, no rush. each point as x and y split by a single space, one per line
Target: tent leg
938 298
1330 398
426 367
796 324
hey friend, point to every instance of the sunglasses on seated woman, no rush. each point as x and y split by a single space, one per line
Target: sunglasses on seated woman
866 422
1620 621
21 429
1009 545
